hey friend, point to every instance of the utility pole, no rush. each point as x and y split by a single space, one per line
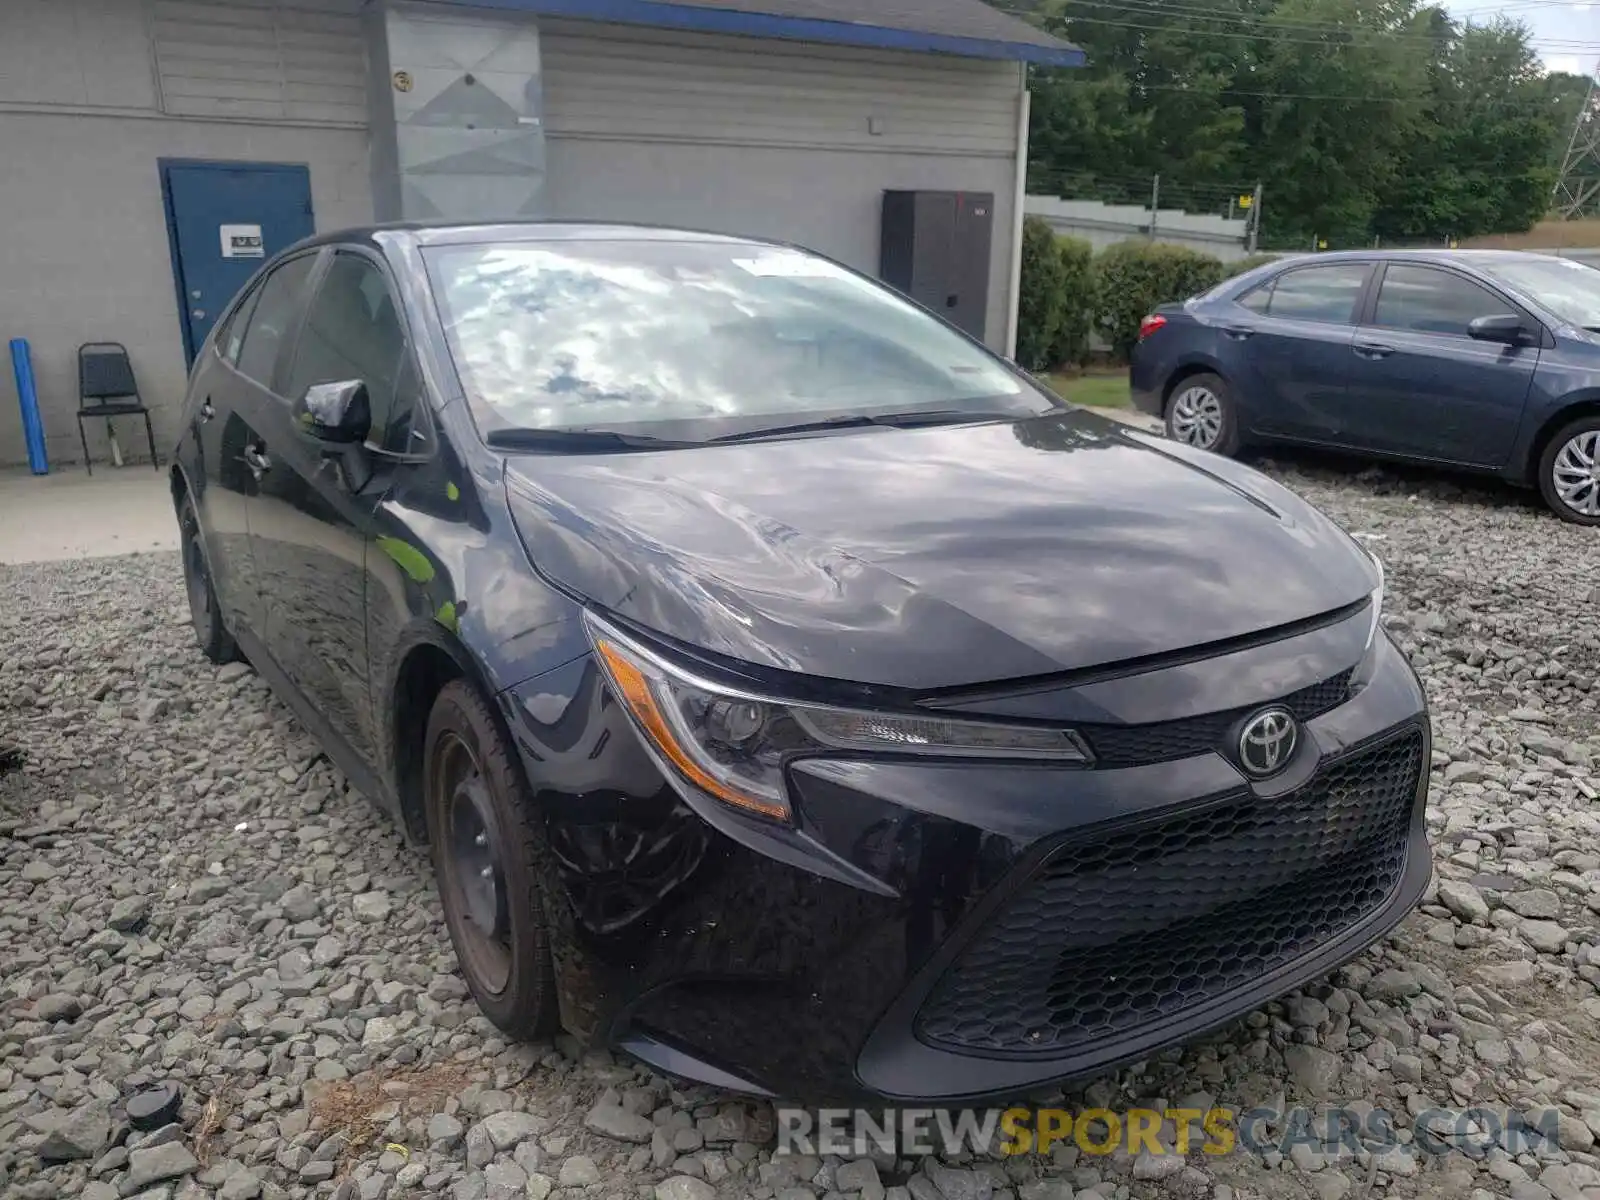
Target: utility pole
1155 203
1253 234
1577 191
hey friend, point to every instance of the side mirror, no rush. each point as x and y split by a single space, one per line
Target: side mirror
338 414
1504 327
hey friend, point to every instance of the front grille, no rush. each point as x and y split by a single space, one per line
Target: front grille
1129 929
1162 741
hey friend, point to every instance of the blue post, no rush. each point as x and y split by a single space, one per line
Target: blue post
32 426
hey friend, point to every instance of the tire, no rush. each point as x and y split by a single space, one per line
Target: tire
1201 413
205 614
479 816
1572 452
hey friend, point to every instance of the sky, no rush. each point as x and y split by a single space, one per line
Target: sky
1567 35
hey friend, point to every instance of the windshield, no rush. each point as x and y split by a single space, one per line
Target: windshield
1568 289
693 340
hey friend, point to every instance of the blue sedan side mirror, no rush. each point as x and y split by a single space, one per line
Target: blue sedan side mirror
1503 327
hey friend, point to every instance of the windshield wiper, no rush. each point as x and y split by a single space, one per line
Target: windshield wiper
900 420
579 441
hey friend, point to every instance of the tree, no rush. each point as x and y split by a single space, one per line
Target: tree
1482 160
1078 123
1338 108
1362 118
1153 99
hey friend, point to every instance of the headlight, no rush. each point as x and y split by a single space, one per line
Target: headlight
1377 601
733 745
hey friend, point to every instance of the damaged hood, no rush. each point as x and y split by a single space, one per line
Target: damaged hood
935 558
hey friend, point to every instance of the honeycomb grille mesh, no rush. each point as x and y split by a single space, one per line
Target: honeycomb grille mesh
1128 930
1162 741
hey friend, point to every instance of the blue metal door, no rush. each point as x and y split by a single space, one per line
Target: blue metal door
223 220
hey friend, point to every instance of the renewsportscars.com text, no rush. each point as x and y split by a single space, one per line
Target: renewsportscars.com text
1333 1132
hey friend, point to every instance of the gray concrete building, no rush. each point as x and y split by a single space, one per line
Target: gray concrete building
151 151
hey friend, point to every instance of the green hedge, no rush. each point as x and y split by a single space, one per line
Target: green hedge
1132 278
1041 296
1071 343
1066 292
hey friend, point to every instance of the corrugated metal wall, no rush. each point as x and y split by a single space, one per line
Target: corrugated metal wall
774 139
265 61
93 93
619 81
768 138
83 53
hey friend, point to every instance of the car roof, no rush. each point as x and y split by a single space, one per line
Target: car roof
435 233
1465 257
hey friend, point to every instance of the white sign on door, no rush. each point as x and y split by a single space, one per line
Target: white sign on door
242 241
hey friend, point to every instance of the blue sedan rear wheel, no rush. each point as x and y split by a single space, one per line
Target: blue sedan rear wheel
1201 413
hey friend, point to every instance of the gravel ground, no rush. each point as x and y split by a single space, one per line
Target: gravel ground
188 892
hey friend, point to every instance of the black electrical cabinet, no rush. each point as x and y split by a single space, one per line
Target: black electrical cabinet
935 249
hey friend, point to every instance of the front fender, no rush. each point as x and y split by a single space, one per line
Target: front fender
449 582
1545 412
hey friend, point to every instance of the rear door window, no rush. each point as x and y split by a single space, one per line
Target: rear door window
1429 300
1326 294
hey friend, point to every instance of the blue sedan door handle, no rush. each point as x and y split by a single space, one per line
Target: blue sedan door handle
1238 332
1373 350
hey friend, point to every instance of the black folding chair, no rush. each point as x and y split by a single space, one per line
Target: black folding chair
106 388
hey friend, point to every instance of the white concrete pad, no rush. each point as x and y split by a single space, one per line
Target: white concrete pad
68 514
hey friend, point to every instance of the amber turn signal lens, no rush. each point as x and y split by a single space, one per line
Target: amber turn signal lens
634 689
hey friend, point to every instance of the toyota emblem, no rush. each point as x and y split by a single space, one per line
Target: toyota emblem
1267 741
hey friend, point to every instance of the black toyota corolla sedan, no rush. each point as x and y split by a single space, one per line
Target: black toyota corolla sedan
792 693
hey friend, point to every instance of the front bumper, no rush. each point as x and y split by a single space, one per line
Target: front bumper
944 932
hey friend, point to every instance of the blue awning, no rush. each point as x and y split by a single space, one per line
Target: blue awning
966 28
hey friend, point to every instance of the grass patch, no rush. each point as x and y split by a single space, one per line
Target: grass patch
1095 389
358 1109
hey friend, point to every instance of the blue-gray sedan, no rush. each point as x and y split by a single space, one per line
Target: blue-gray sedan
1485 360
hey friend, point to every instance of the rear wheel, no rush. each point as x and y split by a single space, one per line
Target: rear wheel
483 838
1201 413
1569 472
216 643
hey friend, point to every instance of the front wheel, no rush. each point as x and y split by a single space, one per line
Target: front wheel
483 836
1201 413
1569 472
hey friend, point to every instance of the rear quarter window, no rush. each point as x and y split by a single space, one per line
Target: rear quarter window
1257 299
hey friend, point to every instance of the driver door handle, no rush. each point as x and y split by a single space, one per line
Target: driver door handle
206 411
1238 332
257 461
1373 350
